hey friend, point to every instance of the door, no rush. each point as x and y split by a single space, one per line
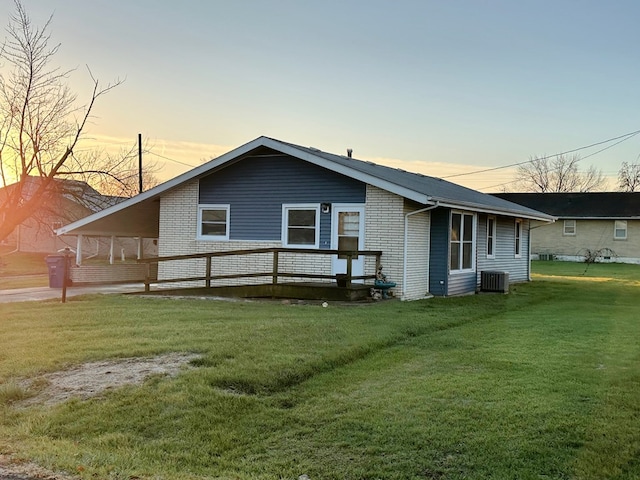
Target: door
347 234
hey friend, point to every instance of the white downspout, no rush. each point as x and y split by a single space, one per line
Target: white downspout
406 244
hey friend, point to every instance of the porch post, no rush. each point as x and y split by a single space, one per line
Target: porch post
349 268
274 278
79 239
111 247
208 275
140 247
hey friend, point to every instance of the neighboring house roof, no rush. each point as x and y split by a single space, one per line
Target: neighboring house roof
73 190
136 216
590 205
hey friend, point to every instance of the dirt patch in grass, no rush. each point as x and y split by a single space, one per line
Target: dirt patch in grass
91 379
86 381
10 470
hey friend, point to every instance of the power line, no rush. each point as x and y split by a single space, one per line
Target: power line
583 158
624 137
171 159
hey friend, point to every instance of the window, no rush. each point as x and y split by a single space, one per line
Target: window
569 227
300 226
518 237
213 222
348 233
491 237
620 230
461 246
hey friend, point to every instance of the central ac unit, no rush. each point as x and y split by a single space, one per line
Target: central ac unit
494 281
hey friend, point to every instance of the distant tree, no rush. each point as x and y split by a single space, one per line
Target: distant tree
41 123
124 178
558 174
629 177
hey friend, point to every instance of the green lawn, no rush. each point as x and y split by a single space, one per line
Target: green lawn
22 270
541 383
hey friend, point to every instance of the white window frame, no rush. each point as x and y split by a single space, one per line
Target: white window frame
205 206
569 228
285 223
474 227
616 228
517 238
491 234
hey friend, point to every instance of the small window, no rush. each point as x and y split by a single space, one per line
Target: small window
461 246
620 230
518 237
569 227
491 237
213 222
300 226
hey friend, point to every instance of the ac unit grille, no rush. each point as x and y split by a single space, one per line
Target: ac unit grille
494 282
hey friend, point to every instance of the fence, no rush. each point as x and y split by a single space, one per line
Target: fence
275 273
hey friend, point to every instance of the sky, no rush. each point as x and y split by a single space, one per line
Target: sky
441 88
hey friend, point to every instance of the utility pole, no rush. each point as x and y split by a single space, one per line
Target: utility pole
140 161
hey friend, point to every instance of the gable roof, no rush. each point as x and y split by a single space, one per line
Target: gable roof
422 189
590 205
76 191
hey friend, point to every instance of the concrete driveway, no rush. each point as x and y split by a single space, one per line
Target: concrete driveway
46 293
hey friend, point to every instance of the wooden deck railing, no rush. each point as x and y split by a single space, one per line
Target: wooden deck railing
274 273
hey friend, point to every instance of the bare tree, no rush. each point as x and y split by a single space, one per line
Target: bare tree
116 174
41 122
629 177
558 174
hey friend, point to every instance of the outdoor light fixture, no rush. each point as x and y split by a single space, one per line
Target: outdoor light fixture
325 207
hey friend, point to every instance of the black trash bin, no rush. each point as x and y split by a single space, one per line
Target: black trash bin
57 270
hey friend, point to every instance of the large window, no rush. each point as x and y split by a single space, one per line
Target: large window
518 238
620 230
213 222
300 226
569 227
491 237
461 247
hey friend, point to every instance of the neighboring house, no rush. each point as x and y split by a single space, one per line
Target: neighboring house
602 226
67 201
436 237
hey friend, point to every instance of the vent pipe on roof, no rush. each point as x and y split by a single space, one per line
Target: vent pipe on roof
349 152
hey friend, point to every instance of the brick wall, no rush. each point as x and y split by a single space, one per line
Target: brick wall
589 234
384 230
108 274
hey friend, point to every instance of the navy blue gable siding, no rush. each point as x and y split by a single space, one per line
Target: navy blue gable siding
257 187
439 252
456 284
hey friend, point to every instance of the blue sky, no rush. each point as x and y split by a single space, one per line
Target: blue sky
440 87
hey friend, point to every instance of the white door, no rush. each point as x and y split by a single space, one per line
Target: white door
347 234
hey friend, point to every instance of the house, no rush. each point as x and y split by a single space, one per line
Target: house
435 237
67 200
602 226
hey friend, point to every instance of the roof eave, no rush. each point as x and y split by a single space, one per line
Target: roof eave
497 211
162 188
